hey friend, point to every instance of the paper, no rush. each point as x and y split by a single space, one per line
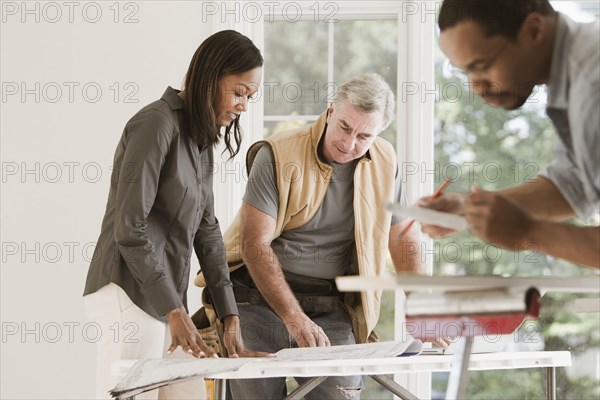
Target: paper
429 216
352 351
150 374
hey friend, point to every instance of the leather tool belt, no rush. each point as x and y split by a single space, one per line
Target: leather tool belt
313 294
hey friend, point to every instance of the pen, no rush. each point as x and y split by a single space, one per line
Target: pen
433 197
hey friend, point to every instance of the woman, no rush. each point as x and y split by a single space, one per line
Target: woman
161 205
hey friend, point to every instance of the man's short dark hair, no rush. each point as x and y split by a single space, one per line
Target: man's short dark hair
495 17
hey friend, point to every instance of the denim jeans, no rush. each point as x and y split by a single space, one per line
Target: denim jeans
263 330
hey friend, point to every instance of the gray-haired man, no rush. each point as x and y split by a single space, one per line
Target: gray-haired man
314 210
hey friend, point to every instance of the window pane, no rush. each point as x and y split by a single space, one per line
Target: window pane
296 78
272 127
295 67
367 46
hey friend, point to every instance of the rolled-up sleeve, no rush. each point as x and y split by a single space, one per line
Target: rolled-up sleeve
261 191
210 249
563 174
399 196
146 144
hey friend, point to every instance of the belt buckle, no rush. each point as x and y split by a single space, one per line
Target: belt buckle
306 303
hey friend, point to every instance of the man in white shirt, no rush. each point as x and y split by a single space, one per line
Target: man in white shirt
506 48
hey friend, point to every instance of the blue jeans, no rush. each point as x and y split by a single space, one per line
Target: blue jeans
262 330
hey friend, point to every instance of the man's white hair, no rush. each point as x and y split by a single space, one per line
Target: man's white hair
369 93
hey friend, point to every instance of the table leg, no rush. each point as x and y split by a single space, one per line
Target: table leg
459 375
551 383
305 388
394 387
220 389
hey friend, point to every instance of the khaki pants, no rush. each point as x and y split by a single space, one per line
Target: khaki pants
129 333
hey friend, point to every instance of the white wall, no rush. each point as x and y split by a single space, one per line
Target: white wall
67 140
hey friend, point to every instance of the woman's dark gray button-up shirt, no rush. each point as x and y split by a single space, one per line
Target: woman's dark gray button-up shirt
160 207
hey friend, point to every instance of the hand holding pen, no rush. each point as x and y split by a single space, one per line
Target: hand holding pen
437 194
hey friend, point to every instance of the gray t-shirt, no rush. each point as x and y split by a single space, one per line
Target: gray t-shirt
322 247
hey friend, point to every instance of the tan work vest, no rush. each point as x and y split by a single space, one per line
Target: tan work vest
302 180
